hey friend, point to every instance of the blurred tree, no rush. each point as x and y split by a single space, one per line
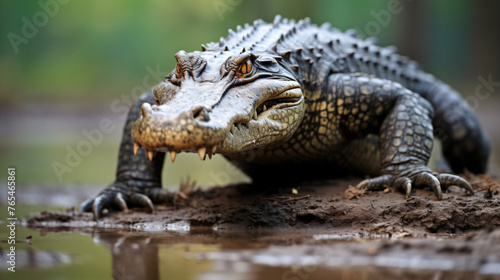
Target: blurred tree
95 48
485 52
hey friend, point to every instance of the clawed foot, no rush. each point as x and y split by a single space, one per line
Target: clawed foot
117 197
437 182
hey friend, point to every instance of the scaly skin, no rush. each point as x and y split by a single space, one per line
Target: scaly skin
289 101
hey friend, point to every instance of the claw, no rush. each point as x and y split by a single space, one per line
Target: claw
447 180
426 179
377 183
99 205
403 184
143 200
159 195
120 202
86 206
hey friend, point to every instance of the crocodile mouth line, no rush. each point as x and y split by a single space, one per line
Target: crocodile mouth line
289 98
263 109
286 99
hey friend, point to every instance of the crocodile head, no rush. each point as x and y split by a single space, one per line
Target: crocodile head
222 102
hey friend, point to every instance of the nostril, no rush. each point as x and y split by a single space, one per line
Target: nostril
200 113
197 112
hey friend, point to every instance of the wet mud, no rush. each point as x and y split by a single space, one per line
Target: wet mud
330 205
314 229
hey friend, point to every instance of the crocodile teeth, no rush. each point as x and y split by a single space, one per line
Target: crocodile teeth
255 115
211 151
137 146
202 152
173 154
150 154
238 125
264 108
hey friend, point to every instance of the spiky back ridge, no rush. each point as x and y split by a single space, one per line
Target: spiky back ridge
314 53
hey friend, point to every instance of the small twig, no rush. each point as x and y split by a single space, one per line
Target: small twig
297 198
286 198
277 197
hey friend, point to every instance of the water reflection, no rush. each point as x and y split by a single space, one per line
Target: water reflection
205 254
133 257
33 258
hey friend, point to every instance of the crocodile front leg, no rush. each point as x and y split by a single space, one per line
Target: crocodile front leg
138 180
403 122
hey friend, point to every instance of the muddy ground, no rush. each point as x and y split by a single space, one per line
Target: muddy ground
385 226
330 205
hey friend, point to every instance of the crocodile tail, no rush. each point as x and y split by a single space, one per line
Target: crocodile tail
465 144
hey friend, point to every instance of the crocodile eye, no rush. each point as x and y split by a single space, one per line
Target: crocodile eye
244 69
178 69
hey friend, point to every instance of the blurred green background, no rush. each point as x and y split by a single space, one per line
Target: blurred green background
67 65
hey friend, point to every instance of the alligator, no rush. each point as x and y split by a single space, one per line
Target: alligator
288 101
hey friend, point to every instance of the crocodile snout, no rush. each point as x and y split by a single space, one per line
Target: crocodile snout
198 113
160 128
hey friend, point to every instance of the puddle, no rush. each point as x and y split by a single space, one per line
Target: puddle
322 237
35 259
178 251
